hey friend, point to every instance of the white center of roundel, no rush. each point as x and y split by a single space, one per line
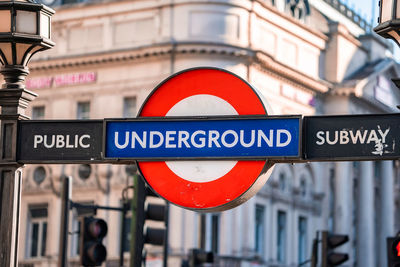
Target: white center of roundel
201 171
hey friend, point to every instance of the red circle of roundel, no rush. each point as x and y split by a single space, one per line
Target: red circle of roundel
236 92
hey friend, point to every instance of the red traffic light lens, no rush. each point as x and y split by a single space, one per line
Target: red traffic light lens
97 228
396 248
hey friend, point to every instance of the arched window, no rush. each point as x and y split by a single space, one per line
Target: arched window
282 182
303 186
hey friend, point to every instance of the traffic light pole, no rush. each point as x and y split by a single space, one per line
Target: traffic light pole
137 222
324 255
202 239
65 207
123 226
122 238
165 256
314 255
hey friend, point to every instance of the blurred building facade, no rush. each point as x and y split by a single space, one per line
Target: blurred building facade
306 57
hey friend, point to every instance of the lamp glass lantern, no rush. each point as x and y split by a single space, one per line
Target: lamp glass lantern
389 20
25 28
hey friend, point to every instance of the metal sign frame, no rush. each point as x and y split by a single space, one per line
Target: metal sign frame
21 144
304 154
347 125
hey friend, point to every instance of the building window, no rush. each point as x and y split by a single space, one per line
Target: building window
83 110
282 182
331 199
129 107
303 187
210 232
214 233
302 239
281 245
75 237
36 233
38 113
127 236
127 224
260 229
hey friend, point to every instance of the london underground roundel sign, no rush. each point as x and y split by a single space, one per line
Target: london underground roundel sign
208 185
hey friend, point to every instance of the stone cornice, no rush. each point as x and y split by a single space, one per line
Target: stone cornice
361 99
262 60
102 57
161 49
291 75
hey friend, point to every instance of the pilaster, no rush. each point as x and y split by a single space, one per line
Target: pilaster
365 221
343 201
386 208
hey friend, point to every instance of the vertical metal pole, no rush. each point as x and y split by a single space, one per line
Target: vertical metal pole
324 256
123 234
165 256
137 239
203 231
65 207
314 255
14 99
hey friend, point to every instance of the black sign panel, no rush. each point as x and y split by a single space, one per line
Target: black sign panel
60 141
352 137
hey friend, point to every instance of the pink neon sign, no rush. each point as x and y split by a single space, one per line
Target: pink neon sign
61 80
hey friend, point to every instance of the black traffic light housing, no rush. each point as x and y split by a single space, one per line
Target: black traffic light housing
155 212
92 251
143 211
329 243
198 256
393 251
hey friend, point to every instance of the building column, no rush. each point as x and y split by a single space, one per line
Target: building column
365 220
343 201
248 231
386 208
226 232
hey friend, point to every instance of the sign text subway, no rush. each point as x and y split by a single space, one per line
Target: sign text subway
352 137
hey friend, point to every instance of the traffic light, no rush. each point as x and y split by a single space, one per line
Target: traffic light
199 256
145 211
393 250
329 243
92 251
155 212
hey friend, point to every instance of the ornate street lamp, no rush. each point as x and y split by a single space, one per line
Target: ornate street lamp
389 20
389 24
24 30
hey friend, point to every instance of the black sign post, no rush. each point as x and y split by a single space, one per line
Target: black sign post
78 141
351 137
325 138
